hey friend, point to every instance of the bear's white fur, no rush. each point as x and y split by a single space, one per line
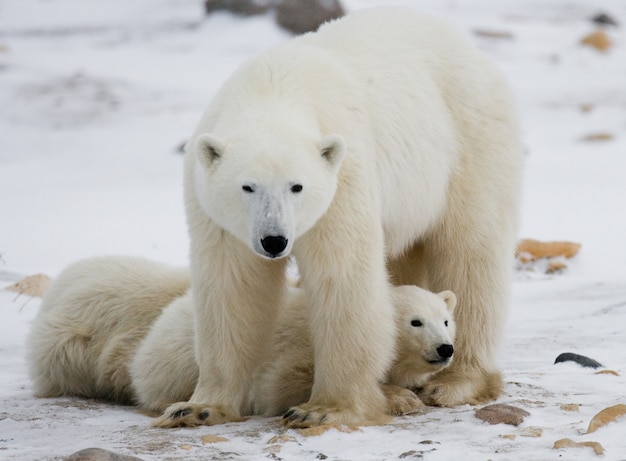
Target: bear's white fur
91 321
101 305
383 147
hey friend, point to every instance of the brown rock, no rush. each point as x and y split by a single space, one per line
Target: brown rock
598 40
499 34
569 443
35 285
569 406
555 267
606 416
321 429
531 431
501 413
537 249
212 438
98 454
607 372
299 16
594 137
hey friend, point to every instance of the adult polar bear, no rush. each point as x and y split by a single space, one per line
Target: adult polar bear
384 146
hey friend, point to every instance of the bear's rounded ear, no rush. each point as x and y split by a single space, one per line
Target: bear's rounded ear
333 150
208 149
450 298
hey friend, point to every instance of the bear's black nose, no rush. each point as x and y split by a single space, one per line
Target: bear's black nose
274 244
445 351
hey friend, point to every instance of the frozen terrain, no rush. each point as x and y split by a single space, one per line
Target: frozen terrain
95 99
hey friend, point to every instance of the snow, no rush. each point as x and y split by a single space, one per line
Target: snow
95 100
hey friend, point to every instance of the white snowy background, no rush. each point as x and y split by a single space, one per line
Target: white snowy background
97 96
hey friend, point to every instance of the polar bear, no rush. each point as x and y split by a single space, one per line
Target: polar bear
103 331
383 147
92 320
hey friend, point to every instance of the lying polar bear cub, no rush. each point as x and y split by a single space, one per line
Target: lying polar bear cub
122 329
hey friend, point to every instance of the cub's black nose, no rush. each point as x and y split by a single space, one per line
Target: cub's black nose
445 351
274 244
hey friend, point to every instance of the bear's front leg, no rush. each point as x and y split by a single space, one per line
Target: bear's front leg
351 317
236 296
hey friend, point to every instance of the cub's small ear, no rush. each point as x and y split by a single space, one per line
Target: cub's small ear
333 150
450 299
208 149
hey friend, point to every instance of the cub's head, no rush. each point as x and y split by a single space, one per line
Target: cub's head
426 330
269 189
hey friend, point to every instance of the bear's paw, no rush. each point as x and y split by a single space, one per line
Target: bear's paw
185 414
469 386
310 415
401 401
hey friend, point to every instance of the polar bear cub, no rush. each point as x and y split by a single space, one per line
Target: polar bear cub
122 329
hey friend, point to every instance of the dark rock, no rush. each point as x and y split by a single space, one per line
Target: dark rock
98 454
299 16
579 359
604 19
501 413
240 7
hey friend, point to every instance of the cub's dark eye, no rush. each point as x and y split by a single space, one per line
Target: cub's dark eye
445 323
248 189
416 323
296 188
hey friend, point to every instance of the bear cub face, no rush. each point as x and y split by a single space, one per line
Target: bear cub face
426 332
266 202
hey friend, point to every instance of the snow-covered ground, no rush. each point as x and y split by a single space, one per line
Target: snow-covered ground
96 98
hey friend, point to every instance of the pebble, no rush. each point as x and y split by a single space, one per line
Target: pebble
606 416
98 454
498 413
579 359
598 40
569 443
604 19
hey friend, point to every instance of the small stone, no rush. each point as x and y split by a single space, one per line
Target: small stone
273 449
538 249
281 438
586 108
531 431
607 372
598 40
98 454
595 137
579 359
500 413
239 7
569 443
498 34
569 406
555 267
508 436
300 17
606 416
212 438
604 19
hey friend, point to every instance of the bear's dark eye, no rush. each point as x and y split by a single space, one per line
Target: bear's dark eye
296 188
445 323
247 188
416 323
